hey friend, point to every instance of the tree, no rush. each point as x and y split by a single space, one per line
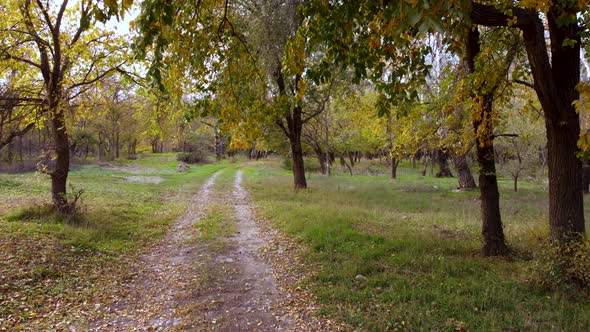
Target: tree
485 83
59 44
258 41
555 75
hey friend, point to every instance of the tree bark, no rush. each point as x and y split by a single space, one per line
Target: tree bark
466 180
442 159
59 174
586 176
293 130
321 159
393 167
344 163
492 230
298 167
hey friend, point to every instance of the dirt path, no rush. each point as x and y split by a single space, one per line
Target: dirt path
244 296
163 278
225 284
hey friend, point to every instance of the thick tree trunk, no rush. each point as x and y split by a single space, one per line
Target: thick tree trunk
59 174
562 123
492 230
466 180
586 176
442 159
298 167
566 207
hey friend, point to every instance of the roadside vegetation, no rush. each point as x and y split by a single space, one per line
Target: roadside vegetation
406 255
54 269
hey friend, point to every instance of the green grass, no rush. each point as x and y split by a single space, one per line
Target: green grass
45 259
216 224
417 242
116 214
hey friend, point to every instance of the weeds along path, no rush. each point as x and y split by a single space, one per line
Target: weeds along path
157 293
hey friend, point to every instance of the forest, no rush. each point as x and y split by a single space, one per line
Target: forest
294 165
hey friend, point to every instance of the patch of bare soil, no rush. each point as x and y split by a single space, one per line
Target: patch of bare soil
145 179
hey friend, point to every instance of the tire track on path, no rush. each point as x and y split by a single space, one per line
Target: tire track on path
244 295
156 295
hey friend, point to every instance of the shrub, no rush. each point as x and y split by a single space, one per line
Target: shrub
193 157
287 164
311 165
563 266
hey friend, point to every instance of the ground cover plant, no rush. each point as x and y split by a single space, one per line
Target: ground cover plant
406 255
55 269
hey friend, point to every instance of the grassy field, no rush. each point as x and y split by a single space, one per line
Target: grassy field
54 271
401 255
406 255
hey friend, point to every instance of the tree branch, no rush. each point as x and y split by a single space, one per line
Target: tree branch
16 133
525 83
504 135
489 15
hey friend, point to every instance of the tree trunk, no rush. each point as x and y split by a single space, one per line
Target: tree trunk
464 175
298 167
393 167
557 94
117 152
566 208
321 159
323 163
431 163
492 230
515 178
219 144
586 176
344 163
442 158
59 174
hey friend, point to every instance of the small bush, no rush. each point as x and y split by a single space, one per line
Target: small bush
194 157
310 165
563 266
287 164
